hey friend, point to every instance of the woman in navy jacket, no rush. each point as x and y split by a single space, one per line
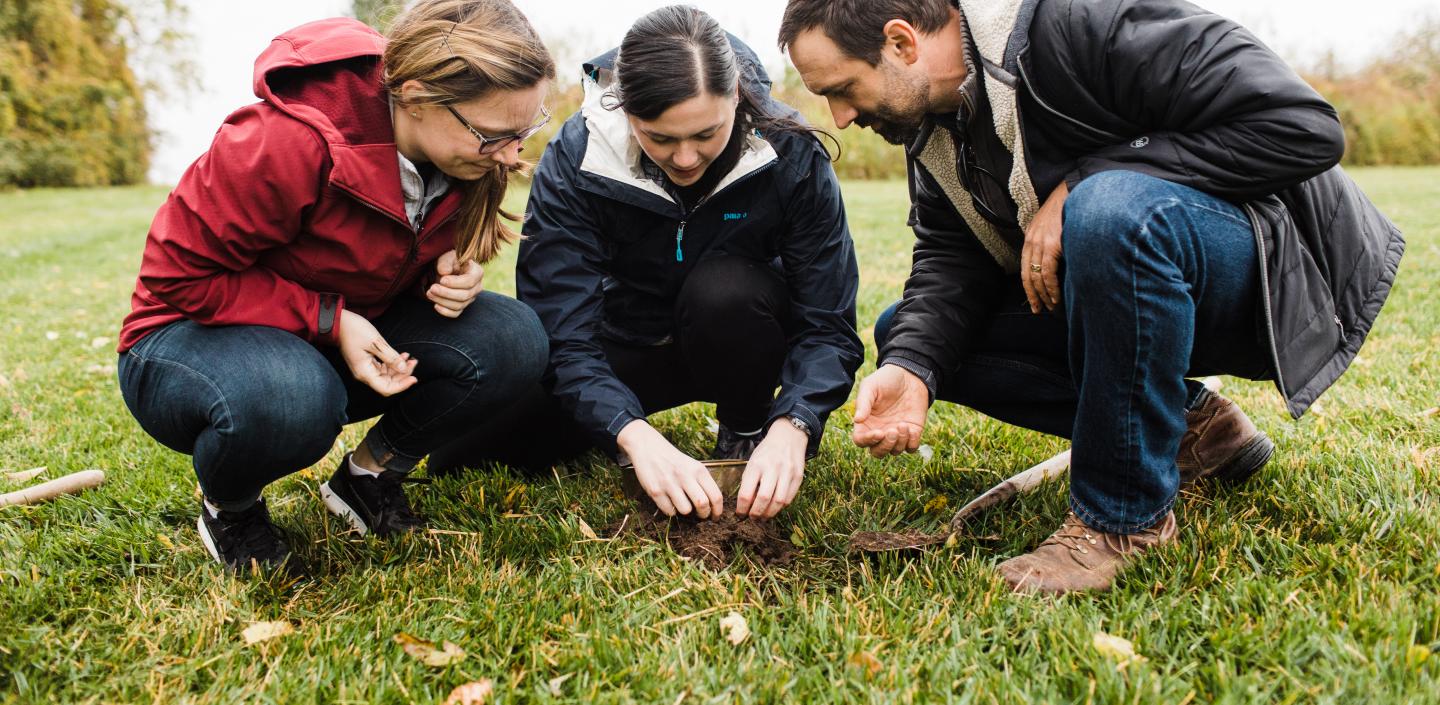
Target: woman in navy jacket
686 241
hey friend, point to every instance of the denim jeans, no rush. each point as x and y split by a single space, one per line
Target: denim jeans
1160 282
729 347
252 404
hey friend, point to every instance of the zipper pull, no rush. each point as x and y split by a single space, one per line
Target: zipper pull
680 238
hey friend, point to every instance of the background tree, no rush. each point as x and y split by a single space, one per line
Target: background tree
71 111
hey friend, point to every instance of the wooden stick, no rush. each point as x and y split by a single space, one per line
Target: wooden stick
69 484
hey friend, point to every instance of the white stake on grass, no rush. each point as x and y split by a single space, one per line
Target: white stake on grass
69 484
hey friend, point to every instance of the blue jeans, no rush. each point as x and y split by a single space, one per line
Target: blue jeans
252 404
1160 282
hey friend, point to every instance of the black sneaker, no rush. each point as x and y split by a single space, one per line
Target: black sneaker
371 504
730 445
243 540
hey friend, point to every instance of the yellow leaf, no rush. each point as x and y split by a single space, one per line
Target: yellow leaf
735 628
1417 655
165 541
264 631
475 693
428 654
1117 648
867 661
937 505
586 531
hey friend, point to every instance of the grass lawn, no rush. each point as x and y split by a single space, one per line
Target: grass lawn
1318 581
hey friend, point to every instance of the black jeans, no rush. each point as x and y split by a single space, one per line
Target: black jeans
728 348
252 404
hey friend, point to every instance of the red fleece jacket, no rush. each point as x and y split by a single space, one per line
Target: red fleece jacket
295 212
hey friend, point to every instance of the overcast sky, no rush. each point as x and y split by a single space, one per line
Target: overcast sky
229 35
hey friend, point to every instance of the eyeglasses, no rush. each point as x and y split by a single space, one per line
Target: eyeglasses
491 145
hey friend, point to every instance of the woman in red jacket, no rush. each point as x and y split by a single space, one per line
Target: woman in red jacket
320 265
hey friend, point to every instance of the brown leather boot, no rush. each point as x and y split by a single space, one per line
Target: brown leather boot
1220 443
1079 558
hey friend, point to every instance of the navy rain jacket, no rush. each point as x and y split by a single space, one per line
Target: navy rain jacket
606 250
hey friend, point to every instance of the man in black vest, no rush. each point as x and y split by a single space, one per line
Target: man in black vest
1109 197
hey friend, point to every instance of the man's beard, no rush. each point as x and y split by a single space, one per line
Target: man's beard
899 116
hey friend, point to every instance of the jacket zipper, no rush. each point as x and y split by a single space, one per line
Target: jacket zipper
1259 229
414 249
685 216
1033 94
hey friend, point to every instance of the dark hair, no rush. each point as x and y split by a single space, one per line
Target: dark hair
858 26
673 54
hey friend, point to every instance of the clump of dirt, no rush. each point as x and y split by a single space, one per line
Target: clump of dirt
714 542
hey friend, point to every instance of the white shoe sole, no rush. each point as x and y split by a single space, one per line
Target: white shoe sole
207 539
339 508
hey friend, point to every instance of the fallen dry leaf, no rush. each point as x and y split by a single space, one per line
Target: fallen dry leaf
1430 412
165 541
265 631
556 683
735 628
586 531
1117 648
427 652
867 661
475 693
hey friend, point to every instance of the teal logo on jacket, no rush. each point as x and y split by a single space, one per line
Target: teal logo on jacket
736 216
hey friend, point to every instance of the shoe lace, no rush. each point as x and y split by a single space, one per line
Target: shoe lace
1074 535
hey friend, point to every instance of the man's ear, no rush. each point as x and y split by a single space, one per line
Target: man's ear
902 41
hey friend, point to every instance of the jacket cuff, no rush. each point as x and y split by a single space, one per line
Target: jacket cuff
811 419
916 365
617 424
327 321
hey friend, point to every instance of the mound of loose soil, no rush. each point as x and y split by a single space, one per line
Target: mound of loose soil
714 542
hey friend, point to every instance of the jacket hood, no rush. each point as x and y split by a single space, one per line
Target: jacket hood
327 75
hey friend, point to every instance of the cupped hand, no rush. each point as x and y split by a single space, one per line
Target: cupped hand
890 412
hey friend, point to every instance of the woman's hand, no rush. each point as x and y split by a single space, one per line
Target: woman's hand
458 285
371 359
678 483
774 473
1040 257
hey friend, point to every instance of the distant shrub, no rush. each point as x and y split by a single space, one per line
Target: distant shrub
71 110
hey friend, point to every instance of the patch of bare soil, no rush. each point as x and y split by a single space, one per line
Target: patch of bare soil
714 542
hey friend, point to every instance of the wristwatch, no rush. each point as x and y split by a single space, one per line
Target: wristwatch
799 423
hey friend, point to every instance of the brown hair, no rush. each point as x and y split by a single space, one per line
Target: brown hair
460 50
858 26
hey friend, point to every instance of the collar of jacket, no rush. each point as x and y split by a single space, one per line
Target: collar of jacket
327 75
613 155
999 32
